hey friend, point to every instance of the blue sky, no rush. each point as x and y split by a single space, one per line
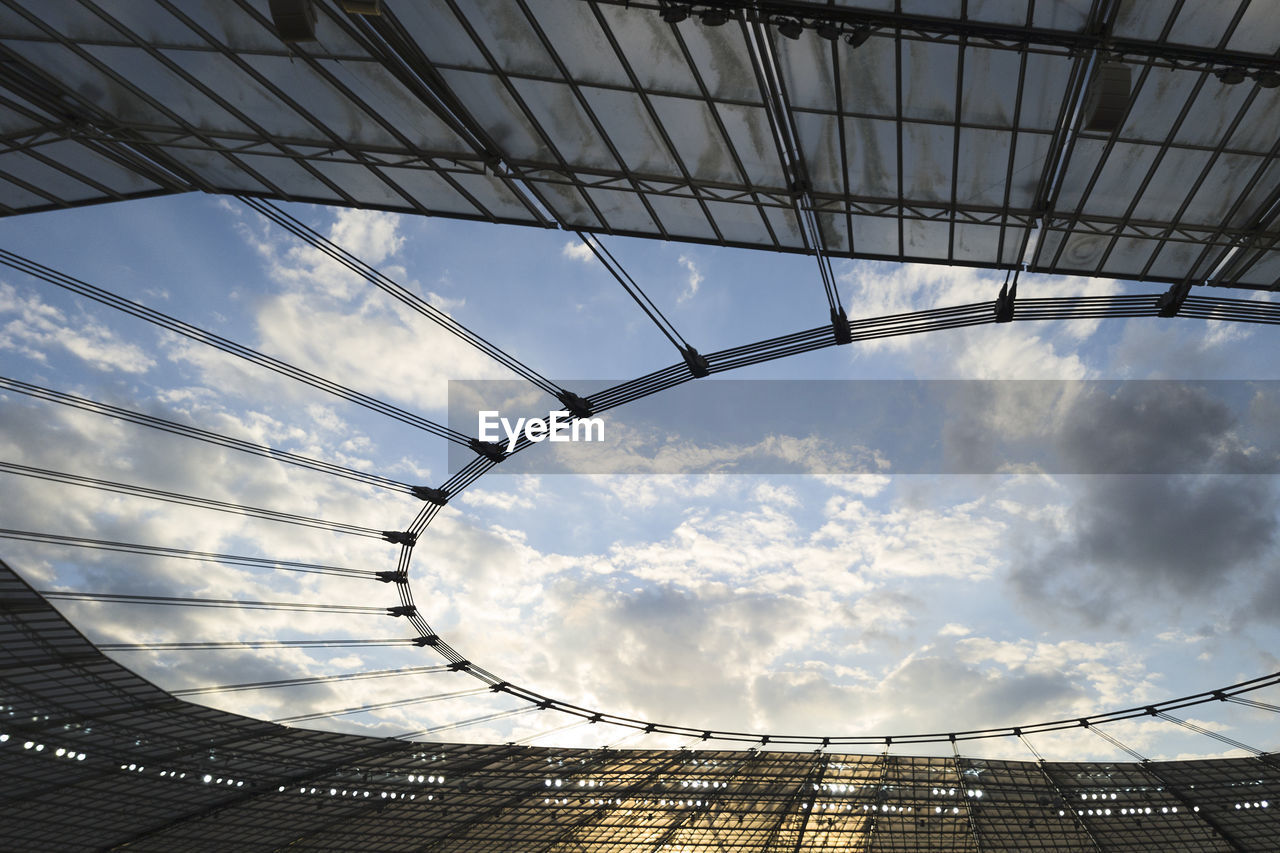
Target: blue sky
815 603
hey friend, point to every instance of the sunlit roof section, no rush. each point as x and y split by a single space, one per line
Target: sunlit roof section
98 758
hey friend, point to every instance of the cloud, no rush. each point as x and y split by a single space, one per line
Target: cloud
36 328
372 236
1007 351
331 322
1163 427
578 251
1132 542
692 282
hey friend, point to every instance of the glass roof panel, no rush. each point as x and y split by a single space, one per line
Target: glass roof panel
100 169
1145 20
630 129
581 45
698 142
808 71
1256 32
557 110
316 96
926 239
873 157
867 78
284 171
927 161
990 87
624 211
740 223
493 107
1203 24
508 37
820 147
681 216
441 36
929 80
723 62
650 50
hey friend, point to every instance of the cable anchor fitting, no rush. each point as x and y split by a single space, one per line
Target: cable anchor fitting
1005 302
427 640
439 497
840 326
697 362
1170 302
400 537
393 577
577 406
402 610
488 449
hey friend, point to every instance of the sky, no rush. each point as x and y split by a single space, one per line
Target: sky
840 581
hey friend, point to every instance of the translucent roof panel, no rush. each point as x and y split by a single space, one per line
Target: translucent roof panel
930 130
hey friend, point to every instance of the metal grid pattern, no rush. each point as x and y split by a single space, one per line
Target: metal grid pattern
952 133
161 774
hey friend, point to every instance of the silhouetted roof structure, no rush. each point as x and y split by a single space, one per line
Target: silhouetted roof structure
1128 140
96 758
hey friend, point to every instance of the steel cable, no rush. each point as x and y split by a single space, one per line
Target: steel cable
195 333
153 422
186 500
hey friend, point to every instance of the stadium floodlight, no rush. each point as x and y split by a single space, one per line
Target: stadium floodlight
828 30
791 28
295 20
675 14
858 37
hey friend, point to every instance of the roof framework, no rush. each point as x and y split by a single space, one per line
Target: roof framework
947 135
159 773
952 134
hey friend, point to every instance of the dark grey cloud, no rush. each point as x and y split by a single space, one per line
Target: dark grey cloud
1138 541
1168 427
1138 546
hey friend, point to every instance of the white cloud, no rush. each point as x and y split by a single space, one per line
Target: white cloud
578 251
692 282
372 236
1030 350
36 328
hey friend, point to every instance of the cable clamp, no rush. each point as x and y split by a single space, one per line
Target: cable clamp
427 640
400 537
488 449
577 406
1170 302
439 497
698 365
1005 302
402 610
840 325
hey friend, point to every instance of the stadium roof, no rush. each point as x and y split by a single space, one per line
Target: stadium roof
927 131
96 758
938 132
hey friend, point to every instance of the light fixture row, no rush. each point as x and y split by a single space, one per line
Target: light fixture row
792 28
